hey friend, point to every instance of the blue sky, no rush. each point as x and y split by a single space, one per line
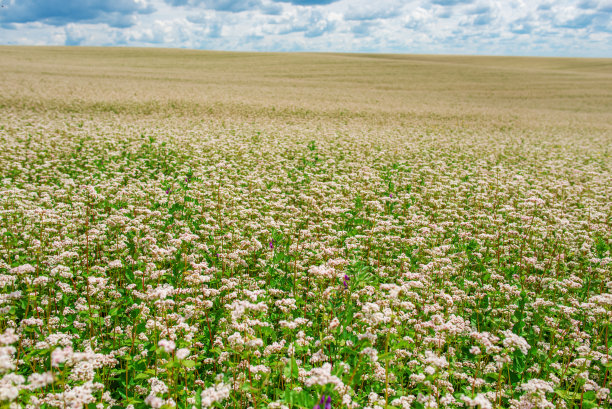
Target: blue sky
513 27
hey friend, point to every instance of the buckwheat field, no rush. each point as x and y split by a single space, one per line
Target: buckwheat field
183 229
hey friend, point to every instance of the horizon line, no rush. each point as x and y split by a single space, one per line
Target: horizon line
389 53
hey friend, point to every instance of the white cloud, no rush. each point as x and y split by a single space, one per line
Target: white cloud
515 27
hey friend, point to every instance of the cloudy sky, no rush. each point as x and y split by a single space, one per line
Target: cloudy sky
499 27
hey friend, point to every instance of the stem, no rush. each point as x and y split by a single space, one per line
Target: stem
387 372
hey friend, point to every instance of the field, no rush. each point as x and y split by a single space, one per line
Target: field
233 230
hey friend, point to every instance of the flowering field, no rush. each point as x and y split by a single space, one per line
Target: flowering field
177 230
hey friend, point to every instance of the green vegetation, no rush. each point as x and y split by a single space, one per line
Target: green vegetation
183 228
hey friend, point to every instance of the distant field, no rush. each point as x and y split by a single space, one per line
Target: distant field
247 230
400 89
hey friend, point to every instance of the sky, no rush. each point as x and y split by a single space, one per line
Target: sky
581 28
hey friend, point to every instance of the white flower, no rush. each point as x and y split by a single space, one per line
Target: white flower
214 394
182 353
168 345
23 269
479 401
322 376
513 341
37 381
60 355
371 353
8 337
154 401
115 264
535 396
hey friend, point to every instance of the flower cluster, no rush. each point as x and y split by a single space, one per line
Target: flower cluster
249 261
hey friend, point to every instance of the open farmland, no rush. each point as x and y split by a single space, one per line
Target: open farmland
184 228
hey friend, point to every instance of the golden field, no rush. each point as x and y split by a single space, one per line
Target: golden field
393 90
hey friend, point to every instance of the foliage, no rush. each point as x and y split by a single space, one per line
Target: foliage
232 262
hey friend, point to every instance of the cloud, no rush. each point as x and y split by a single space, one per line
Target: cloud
219 5
176 32
362 29
538 27
236 6
483 14
372 11
311 22
232 6
272 9
153 35
577 22
483 19
319 28
606 7
74 35
417 20
588 4
444 13
308 2
210 23
115 13
451 2
521 26
545 7
480 9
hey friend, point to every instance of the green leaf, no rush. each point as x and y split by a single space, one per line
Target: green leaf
294 368
188 363
299 399
142 376
567 395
